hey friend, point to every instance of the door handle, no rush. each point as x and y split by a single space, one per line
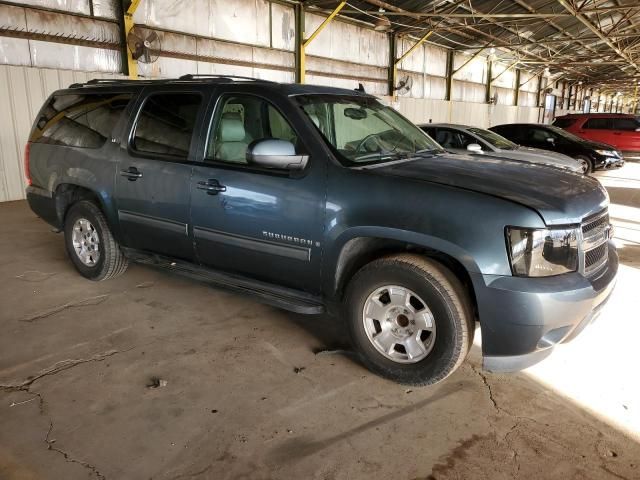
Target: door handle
132 174
211 186
617 133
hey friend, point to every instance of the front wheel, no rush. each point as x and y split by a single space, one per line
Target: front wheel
410 319
90 244
585 164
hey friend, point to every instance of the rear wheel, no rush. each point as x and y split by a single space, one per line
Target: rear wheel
409 319
585 164
90 244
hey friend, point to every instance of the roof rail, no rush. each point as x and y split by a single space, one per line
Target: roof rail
196 76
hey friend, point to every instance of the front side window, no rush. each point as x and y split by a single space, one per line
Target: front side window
362 131
165 124
597 124
448 138
493 139
82 120
241 120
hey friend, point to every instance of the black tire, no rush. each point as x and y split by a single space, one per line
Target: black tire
445 297
111 261
589 169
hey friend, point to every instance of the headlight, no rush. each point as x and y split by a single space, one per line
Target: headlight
542 252
607 153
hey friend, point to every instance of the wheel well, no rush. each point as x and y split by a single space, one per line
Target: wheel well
68 194
360 251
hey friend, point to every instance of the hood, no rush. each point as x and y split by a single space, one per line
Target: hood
597 145
560 197
544 157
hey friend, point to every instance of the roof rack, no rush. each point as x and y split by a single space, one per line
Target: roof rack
146 81
196 76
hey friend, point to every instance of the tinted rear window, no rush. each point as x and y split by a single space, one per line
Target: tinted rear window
165 124
625 124
563 122
82 120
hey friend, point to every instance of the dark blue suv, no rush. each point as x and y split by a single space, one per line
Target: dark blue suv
320 199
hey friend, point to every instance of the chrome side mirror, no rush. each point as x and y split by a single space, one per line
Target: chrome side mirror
274 153
474 147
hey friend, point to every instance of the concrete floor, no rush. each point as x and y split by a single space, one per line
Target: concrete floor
155 376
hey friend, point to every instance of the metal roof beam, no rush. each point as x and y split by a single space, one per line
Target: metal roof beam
587 23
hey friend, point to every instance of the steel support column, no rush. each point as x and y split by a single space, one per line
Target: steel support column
132 65
304 43
449 77
487 96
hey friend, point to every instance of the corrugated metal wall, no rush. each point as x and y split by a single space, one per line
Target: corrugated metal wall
23 90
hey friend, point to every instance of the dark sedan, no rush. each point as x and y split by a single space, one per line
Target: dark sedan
593 155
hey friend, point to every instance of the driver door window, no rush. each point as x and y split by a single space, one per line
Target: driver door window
241 120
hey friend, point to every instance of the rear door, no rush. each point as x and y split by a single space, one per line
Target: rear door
260 223
154 170
626 134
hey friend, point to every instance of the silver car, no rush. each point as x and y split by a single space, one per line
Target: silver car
478 141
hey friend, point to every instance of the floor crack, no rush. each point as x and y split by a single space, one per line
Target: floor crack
79 303
486 384
68 457
57 368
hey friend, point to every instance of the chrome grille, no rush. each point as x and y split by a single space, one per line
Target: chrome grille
599 222
595 233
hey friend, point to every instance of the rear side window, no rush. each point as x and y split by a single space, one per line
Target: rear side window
625 124
83 120
563 122
165 124
598 124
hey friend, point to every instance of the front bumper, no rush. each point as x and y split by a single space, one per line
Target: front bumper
606 163
523 319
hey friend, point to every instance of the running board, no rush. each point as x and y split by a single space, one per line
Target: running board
277 296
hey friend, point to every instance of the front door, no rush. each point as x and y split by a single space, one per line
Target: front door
154 171
598 129
261 223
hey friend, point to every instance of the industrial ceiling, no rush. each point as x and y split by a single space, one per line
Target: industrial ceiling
592 41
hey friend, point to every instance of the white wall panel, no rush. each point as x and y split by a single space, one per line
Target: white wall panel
74 57
14 51
435 87
506 96
473 71
422 110
436 61
344 41
468 92
243 21
23 90
415 60
502 77
283 27
74 6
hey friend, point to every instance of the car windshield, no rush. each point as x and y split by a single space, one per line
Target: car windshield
492 138
363 131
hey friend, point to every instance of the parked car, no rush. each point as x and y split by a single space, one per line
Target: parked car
617 129
479 141
592 155
319 199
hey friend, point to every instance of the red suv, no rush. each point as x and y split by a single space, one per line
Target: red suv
617 129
